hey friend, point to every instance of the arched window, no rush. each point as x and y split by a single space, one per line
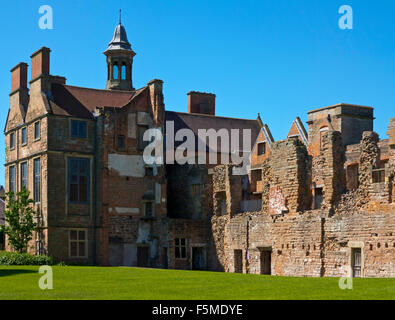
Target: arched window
115 71
124 68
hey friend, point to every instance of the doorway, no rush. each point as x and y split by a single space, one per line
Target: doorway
198 260
356 262
266 261
165 261
142 257
238 261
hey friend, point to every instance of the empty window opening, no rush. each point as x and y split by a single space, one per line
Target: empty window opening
261 148
238 261
123 72
318 198
121 143
115 72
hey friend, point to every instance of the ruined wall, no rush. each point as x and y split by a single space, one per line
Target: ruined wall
289 176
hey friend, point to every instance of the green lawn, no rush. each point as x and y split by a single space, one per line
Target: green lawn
151 284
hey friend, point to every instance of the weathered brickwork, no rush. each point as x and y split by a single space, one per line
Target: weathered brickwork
319 203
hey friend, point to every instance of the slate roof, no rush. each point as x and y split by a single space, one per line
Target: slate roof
195 121
81 102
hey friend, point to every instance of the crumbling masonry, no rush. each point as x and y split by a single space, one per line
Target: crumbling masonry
319 203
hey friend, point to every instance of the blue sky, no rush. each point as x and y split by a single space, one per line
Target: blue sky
281 58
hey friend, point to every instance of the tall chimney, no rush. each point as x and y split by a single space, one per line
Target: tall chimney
201 102
40 62
19 84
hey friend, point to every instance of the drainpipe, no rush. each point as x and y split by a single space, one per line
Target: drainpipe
94 187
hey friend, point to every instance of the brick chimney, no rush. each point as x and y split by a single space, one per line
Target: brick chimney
40 62
391 133
201 102
19 90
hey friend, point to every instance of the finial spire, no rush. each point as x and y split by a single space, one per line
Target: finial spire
120 16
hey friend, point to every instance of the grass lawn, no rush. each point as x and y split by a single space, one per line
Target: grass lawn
151 284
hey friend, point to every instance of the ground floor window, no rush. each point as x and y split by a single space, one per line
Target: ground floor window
78 244
181 248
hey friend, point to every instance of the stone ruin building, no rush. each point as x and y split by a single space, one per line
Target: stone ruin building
319 203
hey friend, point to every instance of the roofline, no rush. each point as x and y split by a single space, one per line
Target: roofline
210 116
103 90
340 105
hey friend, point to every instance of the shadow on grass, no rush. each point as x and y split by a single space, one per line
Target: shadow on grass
7 273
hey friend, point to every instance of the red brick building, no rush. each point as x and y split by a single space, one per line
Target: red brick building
320 203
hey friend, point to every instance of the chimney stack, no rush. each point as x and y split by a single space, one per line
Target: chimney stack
19 77
201 102
40 63
19 91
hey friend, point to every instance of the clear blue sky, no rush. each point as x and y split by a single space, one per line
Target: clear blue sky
277 57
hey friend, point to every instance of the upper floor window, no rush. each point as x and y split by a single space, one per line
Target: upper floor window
11 179
12 140
115 72
261 148
24 175
78 180
123 70
24 136
37 180
78 129
37 130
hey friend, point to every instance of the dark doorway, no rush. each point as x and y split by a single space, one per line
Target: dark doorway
238 261
318 197
266 262
356 262
142 257
198 258
165 262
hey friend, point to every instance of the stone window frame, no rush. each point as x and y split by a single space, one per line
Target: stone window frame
24 141
13 182
12 139
89 179
24 180
85 240
178 248
259 152
35 191
37 138
378 175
